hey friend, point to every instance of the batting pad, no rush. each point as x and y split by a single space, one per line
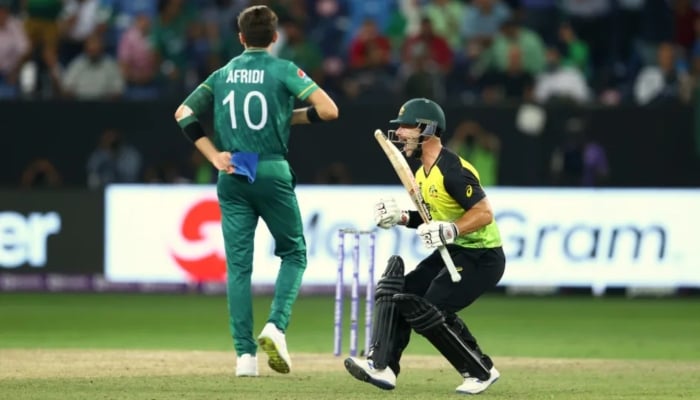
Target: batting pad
428 321
386 313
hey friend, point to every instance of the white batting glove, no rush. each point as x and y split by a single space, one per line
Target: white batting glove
437 233
387 214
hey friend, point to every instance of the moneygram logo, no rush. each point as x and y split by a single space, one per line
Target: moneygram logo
200 253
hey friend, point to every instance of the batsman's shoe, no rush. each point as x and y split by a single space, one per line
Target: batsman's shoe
473 385
247 365
364 370
272 341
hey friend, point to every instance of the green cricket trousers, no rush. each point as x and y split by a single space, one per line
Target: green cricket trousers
271 197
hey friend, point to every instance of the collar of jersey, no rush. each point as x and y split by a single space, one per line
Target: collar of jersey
255 51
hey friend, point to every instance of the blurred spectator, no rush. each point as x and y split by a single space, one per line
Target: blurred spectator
561 83
138 61
446 17
684 17
292 9
230 46
41 25
79 20
370 78
573 52
663 82
592 21
483 20
513 34
120 15
93 75
478 146
360 10
422 77
369 47
459 41
403 21
515 84
171 34
302 52
41 174
223 14
113 161
628 25
542 16
579 161
202 55
431 48
694 60
14 46
656 27
328 28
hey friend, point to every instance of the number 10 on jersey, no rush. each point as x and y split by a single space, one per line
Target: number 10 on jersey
230 101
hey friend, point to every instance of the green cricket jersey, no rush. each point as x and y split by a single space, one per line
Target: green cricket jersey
253 99
451 187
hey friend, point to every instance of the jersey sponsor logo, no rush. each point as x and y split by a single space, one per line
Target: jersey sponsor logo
207 264
470 191
301 74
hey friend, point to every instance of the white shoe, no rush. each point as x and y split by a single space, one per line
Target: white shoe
247 365
364 370
473 385
272 341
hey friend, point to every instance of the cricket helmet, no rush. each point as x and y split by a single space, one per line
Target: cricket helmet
422 112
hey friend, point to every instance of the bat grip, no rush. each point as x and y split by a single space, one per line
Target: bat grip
456 277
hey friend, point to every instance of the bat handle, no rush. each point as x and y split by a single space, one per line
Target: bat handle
456 277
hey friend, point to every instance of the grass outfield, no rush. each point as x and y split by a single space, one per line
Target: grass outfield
113 346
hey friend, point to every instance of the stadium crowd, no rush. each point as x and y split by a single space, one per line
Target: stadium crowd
593 51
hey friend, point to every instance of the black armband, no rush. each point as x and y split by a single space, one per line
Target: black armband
414 219
312 115
194 131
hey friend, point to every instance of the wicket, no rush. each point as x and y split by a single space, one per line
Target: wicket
354 292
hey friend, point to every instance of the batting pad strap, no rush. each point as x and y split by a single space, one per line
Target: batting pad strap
427 320
414 219
392 280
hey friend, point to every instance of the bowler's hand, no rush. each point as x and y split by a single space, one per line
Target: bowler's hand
437 233
222 162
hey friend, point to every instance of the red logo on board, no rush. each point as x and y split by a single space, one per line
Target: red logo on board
209 265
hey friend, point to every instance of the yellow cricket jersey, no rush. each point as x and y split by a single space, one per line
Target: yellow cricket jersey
450 189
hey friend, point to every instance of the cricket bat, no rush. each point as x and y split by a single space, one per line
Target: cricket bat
403 170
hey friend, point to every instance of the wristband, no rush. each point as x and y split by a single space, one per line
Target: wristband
414 219
194 131
312 115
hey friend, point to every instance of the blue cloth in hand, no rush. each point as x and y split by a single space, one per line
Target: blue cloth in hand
245 164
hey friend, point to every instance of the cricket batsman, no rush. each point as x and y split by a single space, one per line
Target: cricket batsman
427 300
